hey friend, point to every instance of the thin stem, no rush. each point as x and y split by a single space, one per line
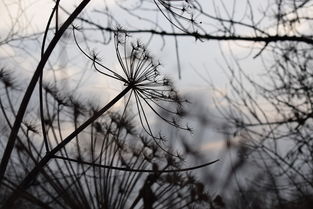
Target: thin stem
40 80
19 117
51 154
138 170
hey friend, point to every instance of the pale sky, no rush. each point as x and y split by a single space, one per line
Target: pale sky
201 61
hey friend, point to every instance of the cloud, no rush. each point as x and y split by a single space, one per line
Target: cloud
29 16
6 51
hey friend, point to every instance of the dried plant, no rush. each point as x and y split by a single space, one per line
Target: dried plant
110 165
142 81
148 87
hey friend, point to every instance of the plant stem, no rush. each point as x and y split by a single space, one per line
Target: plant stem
49 155
29 91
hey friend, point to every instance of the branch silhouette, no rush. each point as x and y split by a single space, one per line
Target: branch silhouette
29 91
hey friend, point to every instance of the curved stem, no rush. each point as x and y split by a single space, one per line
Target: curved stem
51 154
19 117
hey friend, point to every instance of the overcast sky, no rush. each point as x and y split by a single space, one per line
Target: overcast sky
201 61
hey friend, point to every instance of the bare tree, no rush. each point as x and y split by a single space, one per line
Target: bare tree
271 112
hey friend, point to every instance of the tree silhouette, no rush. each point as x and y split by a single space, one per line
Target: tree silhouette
271 112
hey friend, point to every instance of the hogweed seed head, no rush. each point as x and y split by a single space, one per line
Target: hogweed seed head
180 13
150 90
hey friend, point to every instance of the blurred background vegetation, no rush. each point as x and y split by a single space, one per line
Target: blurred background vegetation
156 104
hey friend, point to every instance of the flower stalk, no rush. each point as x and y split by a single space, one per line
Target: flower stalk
30 89
49 155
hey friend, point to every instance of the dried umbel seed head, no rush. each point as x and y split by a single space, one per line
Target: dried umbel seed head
149 89
139 67
6 78
123 122
180 13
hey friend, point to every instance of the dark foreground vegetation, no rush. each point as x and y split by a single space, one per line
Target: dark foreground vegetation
63 147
